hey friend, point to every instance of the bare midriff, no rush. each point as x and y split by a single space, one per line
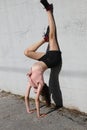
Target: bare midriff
39 66
36 74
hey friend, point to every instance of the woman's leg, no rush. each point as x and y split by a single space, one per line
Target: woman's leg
53 43
52 37
30 51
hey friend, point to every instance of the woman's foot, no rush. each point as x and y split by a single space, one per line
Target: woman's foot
47 5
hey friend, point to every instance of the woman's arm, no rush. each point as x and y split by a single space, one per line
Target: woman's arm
37 101
27 94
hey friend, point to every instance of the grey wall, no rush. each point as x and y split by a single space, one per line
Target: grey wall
23 22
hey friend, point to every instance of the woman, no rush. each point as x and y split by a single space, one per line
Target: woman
46 60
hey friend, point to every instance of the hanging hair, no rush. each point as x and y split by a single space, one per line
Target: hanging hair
46 95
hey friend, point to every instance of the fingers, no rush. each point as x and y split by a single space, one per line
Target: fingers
31 111
42 115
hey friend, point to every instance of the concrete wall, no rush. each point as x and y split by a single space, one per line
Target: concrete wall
23 22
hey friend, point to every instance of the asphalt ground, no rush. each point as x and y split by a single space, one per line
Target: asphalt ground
13 116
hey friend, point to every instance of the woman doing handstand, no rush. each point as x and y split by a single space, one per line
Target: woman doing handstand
46 60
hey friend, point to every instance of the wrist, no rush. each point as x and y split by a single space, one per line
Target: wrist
38 115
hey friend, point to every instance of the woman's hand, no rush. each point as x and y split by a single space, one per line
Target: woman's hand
42 115
31 111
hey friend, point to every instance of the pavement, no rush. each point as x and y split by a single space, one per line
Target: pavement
13 116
